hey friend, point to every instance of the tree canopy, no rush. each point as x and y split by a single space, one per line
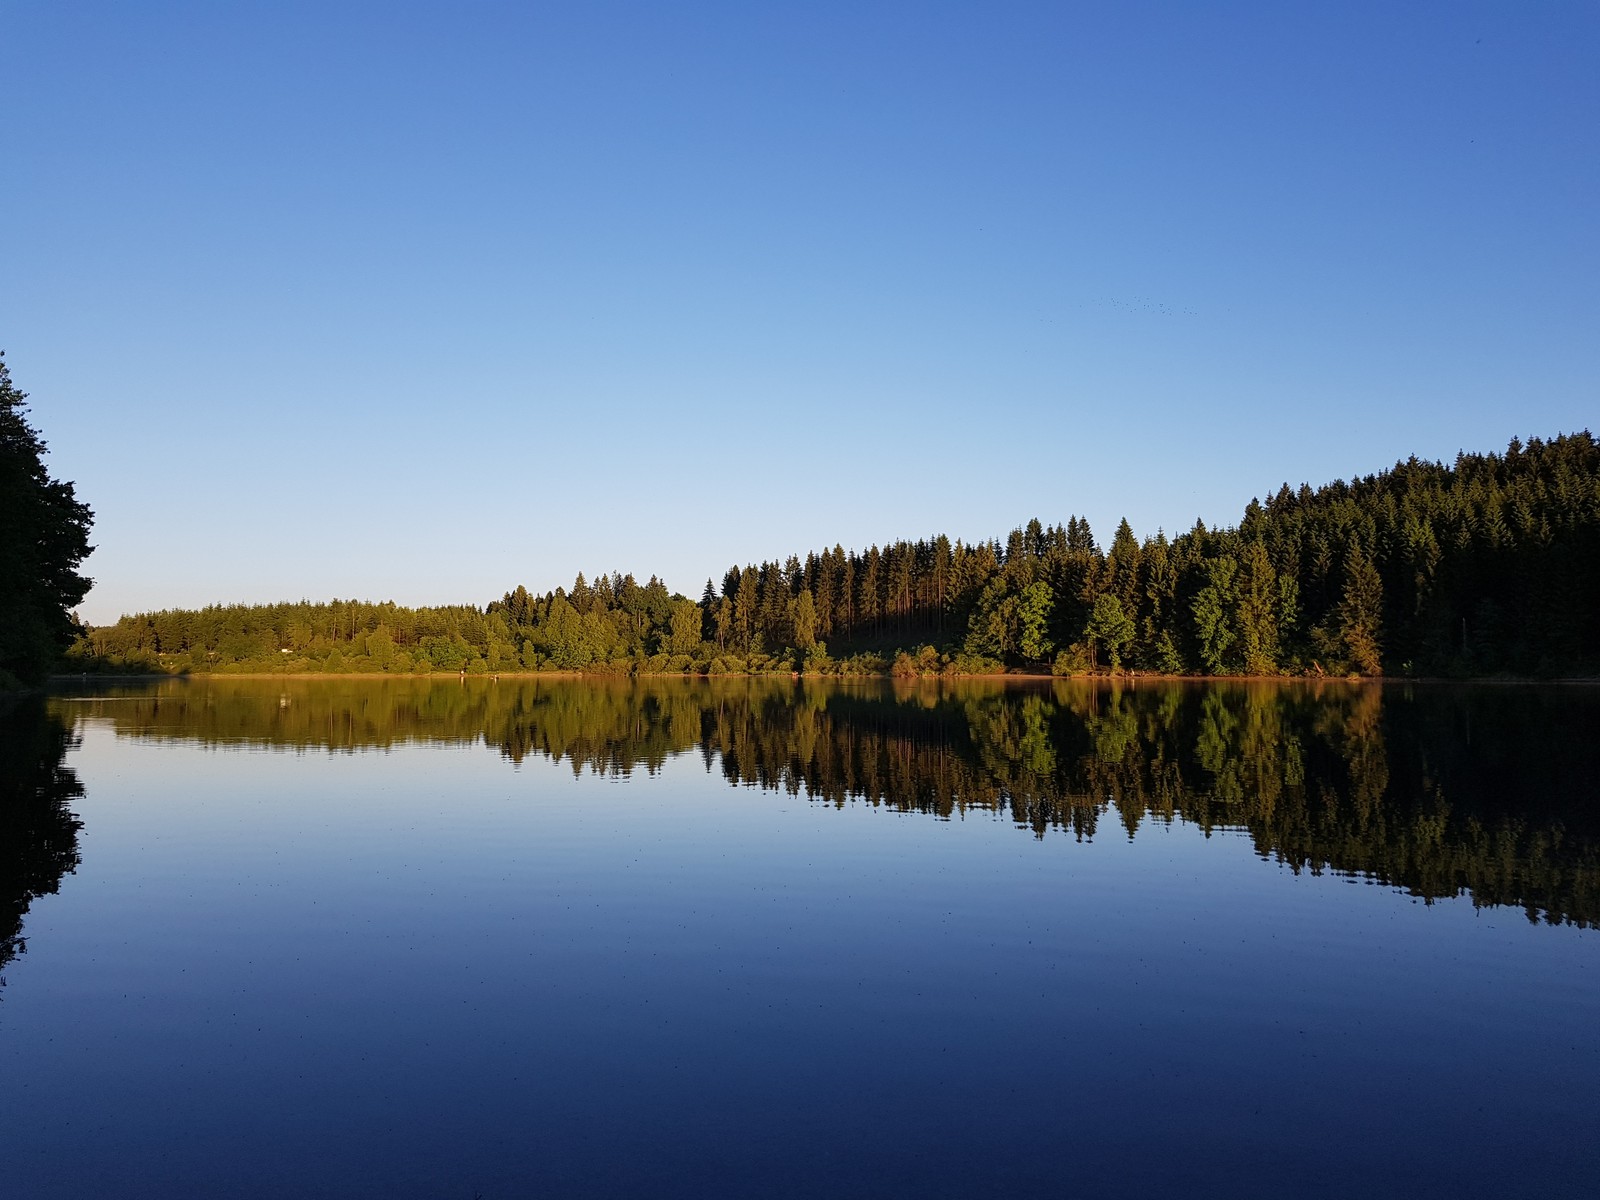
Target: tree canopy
1486 566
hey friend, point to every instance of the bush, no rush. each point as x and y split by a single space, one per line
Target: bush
864 664
817 661
964 662
1074 660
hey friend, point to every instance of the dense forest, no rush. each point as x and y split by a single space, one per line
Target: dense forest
1439 789
1487 566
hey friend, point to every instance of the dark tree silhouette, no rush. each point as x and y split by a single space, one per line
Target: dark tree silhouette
44 535
38 831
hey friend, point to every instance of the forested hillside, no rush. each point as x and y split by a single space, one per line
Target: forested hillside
1487 566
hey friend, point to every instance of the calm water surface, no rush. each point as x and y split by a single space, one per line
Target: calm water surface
422 939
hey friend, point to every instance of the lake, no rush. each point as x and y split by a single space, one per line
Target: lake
420 938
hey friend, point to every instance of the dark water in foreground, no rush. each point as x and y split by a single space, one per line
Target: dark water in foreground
567 938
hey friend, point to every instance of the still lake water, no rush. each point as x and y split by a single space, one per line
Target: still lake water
550 938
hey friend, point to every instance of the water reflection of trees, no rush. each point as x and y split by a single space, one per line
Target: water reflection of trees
38 832
1439 790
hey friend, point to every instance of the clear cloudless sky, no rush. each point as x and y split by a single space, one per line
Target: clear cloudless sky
416 302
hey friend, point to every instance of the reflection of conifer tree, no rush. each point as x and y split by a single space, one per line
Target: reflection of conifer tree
38 832
1440 791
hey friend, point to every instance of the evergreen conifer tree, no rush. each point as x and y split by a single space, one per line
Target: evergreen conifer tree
44 535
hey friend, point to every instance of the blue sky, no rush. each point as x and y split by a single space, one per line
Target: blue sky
422 302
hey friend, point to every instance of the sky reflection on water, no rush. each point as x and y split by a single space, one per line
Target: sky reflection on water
431 971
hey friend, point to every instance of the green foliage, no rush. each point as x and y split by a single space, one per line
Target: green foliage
1165 655
1033 612
1489 565
992 627
805 621
817 661
1074 660
1109 626
1214 614
1360 612
684 637
1257 611
924 662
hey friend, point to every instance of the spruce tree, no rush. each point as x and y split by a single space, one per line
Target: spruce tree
1360 612
44 535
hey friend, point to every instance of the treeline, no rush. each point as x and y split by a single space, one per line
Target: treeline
1490 565
1441 790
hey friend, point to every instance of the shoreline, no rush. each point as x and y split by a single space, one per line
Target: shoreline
1003 676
